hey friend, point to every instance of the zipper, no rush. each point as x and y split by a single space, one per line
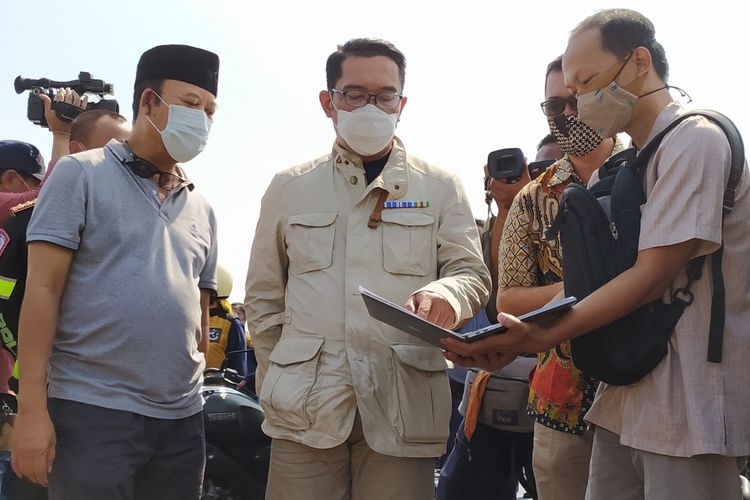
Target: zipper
613 230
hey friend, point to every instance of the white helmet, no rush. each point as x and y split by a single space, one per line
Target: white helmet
223 282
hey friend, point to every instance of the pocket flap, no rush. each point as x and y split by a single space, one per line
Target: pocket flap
407 218
292 350
315 219
425 358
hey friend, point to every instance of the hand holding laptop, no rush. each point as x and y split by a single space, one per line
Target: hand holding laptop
432 307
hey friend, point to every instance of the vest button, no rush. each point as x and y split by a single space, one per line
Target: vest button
353 180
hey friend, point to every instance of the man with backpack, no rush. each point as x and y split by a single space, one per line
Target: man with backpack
677 430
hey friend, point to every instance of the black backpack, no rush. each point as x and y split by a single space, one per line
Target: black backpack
599 231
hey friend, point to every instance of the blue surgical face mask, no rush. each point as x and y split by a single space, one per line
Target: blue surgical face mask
186 132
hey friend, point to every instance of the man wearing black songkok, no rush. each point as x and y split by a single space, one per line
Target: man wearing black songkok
122 261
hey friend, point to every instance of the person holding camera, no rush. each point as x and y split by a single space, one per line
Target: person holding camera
110 404
25 190
489 458
530 275
356 408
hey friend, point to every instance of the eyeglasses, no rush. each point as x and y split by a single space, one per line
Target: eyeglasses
554 106
387 101
146 170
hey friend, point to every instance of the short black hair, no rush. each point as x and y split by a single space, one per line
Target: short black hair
363 47
83 125
624 30
547 139
555 65
153 84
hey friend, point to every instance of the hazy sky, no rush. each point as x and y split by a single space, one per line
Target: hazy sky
474 78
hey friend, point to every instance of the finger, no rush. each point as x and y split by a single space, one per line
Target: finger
47 102
38 472
509 321
497 360
72 97
448 318
481 361
84 102
411 304
459 360
51 454
60 95
69 95
14 462
425 304
435 314
456 346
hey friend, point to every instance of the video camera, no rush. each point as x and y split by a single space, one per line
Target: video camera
508 164
65 111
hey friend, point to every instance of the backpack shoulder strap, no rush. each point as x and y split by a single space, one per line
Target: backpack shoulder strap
736 146
737 163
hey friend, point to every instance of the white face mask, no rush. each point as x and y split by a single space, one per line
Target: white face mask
186 133
367 130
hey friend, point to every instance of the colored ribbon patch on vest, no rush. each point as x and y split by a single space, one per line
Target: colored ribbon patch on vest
407 204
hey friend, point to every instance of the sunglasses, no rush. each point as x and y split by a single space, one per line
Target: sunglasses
555 106
146 170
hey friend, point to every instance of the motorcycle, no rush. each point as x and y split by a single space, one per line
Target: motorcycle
237 450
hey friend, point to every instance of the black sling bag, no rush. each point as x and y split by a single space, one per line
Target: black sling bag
599 231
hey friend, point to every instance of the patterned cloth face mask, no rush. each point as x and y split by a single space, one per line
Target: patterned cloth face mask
574 137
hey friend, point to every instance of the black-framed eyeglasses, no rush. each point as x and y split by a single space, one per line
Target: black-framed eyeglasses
356 98
554 106
142 168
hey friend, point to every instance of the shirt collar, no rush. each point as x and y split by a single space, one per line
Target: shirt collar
563 170
394 178
666 116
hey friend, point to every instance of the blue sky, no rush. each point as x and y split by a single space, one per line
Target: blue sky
475 74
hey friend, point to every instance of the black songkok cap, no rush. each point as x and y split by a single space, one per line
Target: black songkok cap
180 62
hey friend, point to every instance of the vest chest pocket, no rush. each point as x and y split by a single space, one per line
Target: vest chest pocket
309 241
407 242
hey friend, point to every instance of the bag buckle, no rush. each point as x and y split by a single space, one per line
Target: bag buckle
684 294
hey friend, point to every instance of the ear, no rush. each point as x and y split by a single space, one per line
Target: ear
642 58
403 105
146 101
325 102
6 177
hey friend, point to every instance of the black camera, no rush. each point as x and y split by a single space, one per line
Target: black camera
85 84
507 164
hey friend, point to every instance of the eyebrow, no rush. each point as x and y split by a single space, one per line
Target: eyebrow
191 94
388 88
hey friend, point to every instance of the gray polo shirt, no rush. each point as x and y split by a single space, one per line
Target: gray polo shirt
129 325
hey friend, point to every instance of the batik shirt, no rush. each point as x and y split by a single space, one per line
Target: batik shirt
559 395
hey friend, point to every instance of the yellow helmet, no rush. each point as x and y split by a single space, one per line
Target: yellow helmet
223 281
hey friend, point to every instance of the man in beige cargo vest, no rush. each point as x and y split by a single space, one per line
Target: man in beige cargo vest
358 409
